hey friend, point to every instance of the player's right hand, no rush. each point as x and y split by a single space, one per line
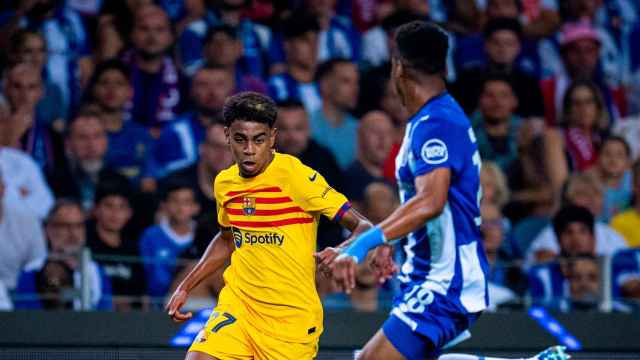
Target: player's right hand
178 299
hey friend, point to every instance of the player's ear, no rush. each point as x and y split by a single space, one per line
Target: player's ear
397 68
227 135
272 137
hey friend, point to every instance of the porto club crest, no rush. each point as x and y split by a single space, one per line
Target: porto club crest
249 205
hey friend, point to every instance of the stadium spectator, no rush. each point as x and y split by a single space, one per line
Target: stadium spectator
22 129
613 170
223 48
625 277
294 138
26 187
374 144
583 275
583 191
157 83
494 184
163 244
214 156
540 19
505 280
379 201
300 36
114 246
177 147
129 142
337 38
495 125
580 48
627 222
377 42
68 61
5 301
22 240
29 46
502 46
256 39
66 234
574 146
86 165
332 125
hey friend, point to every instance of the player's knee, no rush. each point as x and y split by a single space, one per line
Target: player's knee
366 354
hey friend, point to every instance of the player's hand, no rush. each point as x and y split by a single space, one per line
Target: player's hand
325 258
178 299
382 263
344 272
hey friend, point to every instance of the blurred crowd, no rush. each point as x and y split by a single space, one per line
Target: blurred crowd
111 136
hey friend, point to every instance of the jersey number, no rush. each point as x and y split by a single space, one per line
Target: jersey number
230 319
417 300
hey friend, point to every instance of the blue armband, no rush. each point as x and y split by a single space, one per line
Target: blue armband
365 242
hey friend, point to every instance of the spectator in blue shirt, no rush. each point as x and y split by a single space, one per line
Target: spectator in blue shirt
177 147
300 34
66 233
129 142
157 83
162 245
338 37
256 39
331 125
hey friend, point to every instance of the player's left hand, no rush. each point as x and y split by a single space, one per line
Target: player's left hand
344 272
382 263
324 259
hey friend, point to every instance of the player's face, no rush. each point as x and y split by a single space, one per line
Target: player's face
112 90
113 213
251 146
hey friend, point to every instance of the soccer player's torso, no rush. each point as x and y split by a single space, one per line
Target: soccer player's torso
440 135
272 269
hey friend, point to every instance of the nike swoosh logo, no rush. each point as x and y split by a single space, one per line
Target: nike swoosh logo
313 177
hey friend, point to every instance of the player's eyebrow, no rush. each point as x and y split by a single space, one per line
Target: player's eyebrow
260 134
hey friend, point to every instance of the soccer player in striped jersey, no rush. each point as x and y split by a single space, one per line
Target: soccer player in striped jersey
269 205
444 277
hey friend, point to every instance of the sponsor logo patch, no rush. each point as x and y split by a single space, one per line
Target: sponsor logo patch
434 151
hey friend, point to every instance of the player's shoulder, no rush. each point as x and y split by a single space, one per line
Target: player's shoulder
226 178
292 169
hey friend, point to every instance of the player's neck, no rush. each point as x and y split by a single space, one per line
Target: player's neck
420 94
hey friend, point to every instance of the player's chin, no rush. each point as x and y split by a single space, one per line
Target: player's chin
249 168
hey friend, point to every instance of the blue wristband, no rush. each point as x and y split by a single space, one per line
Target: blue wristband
365 242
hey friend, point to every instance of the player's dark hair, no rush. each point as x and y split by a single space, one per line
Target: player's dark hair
619 139
327 67
249 106
59 204
298 24
571 214
290 104
228 30
423 46
498 24
172 185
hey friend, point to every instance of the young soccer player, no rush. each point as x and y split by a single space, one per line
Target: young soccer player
444 277
269 205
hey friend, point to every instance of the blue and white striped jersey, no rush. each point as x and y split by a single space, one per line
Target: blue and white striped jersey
445 255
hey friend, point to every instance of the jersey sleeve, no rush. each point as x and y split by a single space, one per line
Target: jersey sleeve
223 217
434 144
315 195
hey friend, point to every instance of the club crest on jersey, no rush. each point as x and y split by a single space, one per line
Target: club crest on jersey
434 151
249 205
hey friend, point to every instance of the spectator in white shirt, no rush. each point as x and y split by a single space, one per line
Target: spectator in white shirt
21 241
582 190
25 187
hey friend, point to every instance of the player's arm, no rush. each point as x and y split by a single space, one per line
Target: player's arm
214 257
431 196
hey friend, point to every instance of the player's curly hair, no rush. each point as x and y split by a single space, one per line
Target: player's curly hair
249 106
423 46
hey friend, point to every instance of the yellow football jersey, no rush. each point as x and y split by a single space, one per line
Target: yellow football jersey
274 219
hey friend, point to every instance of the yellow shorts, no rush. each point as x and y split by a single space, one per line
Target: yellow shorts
228 335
